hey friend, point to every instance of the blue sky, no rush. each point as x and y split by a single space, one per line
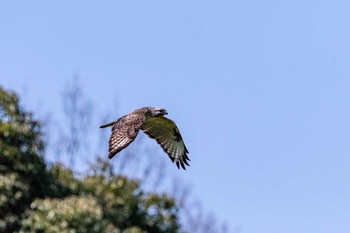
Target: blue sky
259 90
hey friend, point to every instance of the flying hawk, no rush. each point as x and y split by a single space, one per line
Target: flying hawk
152 122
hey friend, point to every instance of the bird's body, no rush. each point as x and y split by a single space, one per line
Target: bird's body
152 122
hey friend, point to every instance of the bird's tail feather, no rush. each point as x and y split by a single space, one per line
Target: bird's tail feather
107 125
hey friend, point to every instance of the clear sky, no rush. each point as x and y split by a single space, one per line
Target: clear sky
259 89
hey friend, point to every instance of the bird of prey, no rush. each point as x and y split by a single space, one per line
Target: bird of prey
152 122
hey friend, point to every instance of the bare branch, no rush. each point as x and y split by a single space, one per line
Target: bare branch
78 110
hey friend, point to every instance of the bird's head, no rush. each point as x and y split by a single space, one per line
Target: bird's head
155 111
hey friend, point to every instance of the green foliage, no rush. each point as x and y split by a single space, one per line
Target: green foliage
22 168
71 214
125 205
38 198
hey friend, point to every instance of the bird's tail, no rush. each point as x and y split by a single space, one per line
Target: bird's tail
107 125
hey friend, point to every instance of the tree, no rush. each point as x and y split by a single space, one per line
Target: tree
22 168
78 114
99 203
35 197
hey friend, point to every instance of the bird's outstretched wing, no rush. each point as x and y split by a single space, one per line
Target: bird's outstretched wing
168 136
124 132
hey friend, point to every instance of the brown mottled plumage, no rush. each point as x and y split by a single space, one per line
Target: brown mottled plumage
152 122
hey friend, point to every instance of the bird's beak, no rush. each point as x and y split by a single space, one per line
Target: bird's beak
165 112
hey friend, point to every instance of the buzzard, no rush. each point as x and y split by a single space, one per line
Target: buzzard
152 122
